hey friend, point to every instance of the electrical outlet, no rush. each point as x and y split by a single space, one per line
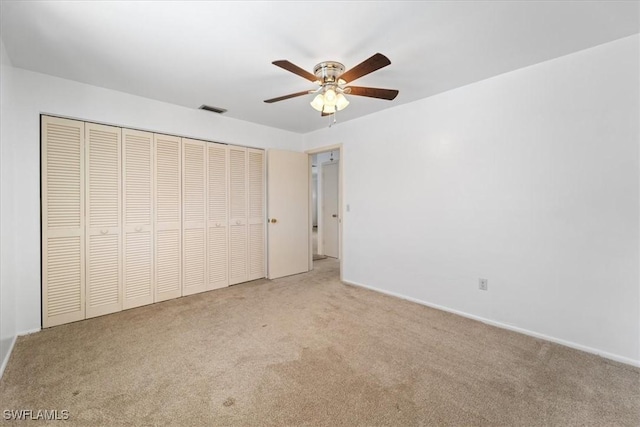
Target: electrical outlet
483 284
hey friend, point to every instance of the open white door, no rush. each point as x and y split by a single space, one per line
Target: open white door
330 218
288 213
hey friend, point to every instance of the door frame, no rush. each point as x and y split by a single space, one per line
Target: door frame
310 153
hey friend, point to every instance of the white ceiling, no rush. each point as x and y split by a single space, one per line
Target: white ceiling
220 53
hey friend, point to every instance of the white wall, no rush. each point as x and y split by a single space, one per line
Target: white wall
7 270
33 94
530 179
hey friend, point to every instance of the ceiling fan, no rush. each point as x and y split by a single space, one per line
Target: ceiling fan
333 80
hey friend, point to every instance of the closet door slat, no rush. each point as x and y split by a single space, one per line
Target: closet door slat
256 214
168 216
104 219
63 243
137 168
238 233
217 215
194 230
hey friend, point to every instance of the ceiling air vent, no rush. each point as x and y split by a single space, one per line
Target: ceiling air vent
212 109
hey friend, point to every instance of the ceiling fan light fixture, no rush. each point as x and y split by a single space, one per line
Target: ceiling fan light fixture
318 102
331 78
341 102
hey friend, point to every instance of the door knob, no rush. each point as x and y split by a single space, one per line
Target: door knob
138 229
334 215
273 220
104 231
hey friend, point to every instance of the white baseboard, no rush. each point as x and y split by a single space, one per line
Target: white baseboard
13 343
6 358
570 344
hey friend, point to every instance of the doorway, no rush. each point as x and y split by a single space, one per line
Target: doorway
325 204
329 208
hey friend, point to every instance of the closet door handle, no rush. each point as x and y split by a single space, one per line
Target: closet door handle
104 231
138 228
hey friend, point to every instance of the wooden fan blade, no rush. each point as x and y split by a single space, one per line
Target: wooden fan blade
367 66
282 98
283 63
373 92
323 114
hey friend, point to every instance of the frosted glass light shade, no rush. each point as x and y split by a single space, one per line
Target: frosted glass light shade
318 102
330 97
341 102
329 109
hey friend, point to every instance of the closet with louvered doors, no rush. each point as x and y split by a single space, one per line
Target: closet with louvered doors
63 227
137 188
130 218
103 233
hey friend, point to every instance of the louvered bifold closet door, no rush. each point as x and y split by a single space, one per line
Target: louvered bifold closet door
217 215
194 230
63 257
104 219
168 217
137 172
238 233
256 214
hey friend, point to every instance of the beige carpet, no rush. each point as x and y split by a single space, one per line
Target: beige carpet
308 350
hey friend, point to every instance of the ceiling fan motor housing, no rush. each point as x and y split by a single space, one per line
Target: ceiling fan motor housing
328 71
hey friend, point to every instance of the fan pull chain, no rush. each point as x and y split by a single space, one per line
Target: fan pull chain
332 118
